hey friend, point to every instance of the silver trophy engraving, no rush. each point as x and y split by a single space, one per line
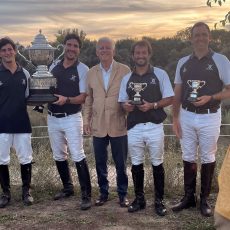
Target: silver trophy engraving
42 84
195 85
137 88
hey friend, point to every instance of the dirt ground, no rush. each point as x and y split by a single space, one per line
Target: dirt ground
65 214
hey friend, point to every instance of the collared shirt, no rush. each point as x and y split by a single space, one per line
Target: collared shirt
13 91
106 75
212 70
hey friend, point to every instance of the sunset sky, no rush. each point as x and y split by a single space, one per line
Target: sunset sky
21 20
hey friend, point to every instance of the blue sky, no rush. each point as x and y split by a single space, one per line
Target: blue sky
21 20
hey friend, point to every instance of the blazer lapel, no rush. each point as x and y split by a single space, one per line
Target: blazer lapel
100 77
113 74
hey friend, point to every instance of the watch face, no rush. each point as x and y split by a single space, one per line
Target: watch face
155 105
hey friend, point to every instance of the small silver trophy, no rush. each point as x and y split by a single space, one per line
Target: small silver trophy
137 88
42 84
195 85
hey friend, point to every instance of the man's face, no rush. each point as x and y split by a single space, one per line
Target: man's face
72 49
105 51
200 37
7 54
141 56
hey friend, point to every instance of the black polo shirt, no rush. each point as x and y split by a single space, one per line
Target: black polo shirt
204 69
68 86
150 93
13 111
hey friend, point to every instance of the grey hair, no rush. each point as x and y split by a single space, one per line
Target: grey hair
105 39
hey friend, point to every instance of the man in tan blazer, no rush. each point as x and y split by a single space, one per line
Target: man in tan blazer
105 120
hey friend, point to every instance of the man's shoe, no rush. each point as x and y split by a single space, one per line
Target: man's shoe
124 202
63 194
160 207
85 203
4 200
27 199
101 200
185 203
137 205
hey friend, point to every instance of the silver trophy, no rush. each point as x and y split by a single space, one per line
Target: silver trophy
195 85
137 88
42 84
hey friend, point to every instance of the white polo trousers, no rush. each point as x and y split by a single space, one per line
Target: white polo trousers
66 132
21 142
200 133
146 135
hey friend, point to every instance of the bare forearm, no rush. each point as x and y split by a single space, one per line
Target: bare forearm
165 102
80 99
223 94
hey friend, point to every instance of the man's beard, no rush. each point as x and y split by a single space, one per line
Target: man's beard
141 64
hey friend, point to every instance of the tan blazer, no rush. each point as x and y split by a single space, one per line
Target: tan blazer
102 111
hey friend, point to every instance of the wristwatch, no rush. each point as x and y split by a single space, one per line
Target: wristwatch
67 100
155 105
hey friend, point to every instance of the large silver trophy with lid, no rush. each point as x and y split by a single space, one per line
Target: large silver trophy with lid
42 84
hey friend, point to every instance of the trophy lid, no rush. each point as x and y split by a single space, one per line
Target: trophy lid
40 43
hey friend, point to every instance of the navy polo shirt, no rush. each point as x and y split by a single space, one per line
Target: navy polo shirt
68 80
211 68
157 87
13 110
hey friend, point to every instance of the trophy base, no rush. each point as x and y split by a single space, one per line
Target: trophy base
192 99
136 102
38 99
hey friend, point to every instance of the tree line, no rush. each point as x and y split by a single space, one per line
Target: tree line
166 51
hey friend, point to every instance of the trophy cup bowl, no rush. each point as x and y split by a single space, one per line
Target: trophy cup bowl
42 84
195 85
137 88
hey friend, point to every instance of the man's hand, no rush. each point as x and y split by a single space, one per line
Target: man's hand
202 100
127 106
146 106
61 99
87 129
177 128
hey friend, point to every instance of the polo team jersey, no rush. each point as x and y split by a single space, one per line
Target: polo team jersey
13 111
212 70
68 85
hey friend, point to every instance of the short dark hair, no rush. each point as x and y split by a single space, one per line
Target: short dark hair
72 36
144 43
198 24
6 40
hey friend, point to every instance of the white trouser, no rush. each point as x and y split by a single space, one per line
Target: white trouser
148 135
199 130
21 142
66 131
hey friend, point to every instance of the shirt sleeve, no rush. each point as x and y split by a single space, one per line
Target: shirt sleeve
123 96
180 63
223 65
82 72
165 84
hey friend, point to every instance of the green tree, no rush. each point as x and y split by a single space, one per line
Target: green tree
226 19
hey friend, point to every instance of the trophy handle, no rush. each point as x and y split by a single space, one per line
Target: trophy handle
29 64
202 83
59 47
131 85
145 85
189 83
